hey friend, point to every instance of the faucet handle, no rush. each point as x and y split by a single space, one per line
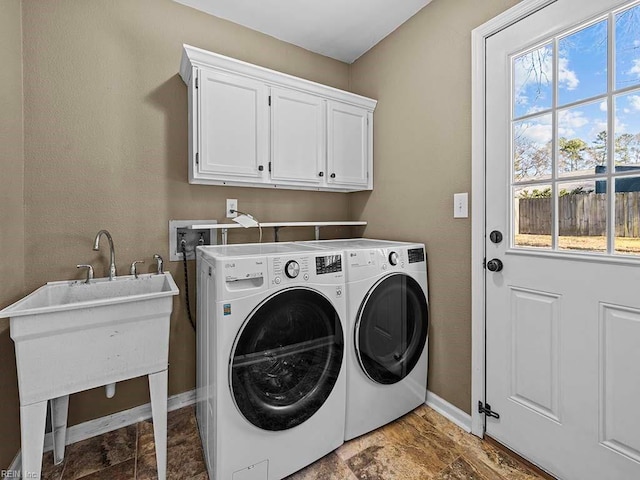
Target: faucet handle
133 269
89 272
160 263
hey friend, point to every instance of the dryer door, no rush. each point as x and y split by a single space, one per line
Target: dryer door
391 329
286 359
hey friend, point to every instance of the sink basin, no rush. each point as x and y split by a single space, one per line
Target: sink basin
65 295
71 336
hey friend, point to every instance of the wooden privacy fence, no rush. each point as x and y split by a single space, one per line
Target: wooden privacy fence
580 215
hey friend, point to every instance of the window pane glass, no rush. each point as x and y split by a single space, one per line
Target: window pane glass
532 148
582 138
582 64
627 221
627 51
627 131
532 216
533 81
582 216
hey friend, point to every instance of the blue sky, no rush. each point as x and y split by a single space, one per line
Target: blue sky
582 74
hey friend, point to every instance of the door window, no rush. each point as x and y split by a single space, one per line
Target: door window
391 330
287 359
573 189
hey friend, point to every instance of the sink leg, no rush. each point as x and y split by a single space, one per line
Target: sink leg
32 422
59 411
158 391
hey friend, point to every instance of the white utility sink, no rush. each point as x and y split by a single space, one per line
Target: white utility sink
66 295
72 336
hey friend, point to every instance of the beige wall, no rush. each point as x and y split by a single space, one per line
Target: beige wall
106 147
421 76
11 216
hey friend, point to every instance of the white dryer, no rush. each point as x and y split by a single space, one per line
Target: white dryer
387 330
270 351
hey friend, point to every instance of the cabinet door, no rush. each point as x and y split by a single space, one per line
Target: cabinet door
297 137
349 147
233 127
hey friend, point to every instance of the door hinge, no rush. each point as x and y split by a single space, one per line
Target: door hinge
197 159
196 82
484 262
486 409
269 100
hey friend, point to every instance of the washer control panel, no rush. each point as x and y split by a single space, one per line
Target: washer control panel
416 255
328 264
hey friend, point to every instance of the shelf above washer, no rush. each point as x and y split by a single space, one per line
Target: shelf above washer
224 227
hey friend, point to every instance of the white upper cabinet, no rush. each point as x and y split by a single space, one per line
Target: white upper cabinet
233 128
297 137
348 145
251 126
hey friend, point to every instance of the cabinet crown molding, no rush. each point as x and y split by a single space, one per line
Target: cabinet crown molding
197 57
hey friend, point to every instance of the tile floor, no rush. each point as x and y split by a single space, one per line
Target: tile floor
422 445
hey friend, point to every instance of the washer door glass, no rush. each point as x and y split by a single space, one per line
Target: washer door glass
287 359
391 330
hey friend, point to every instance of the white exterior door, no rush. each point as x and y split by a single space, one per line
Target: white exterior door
233 127
563 314
297 137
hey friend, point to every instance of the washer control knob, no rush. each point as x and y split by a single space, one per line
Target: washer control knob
306 276
292 269
393 258
277 280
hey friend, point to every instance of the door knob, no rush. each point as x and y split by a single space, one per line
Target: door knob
494 265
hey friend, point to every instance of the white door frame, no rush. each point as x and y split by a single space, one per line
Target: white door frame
478 162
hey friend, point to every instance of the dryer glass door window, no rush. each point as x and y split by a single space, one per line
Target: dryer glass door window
391 330
287 359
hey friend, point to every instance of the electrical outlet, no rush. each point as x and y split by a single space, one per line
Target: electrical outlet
194 237
232 204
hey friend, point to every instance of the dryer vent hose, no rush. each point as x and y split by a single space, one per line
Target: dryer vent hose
186 283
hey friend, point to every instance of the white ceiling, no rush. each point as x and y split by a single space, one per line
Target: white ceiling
340 29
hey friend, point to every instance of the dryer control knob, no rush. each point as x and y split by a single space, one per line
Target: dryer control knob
393 258
292 269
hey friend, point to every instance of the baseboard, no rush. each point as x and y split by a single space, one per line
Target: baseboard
101 425
451 412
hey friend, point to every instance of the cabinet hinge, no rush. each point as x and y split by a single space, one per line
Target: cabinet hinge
196 82
197 159
269 100
486 409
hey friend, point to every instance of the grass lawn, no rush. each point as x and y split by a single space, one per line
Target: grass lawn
626 245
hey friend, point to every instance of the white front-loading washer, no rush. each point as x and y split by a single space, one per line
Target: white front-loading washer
270 358
387 330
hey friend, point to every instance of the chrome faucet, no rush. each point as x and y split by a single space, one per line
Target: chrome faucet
112 253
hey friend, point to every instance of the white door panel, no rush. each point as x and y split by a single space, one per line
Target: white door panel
234 126
297 136
563 315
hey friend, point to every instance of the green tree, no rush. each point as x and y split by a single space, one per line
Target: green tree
572 154
598 149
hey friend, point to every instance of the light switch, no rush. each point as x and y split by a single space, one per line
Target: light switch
461 205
